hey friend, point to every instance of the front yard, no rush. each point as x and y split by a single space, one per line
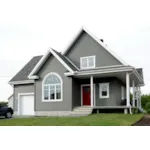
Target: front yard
91 120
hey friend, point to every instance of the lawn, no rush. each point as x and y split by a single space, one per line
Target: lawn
91 120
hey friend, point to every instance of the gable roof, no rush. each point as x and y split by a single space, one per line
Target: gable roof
62 59
66 60
25 71
83 29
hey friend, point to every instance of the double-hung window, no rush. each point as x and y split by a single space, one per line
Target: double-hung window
87 62
104 90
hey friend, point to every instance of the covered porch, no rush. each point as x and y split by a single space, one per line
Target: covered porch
110 90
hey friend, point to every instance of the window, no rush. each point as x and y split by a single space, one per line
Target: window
87 62
52 87
104 90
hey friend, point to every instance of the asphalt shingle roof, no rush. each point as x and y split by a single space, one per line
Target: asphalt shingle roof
65 60
25 71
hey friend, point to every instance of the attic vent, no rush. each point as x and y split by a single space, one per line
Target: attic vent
101 40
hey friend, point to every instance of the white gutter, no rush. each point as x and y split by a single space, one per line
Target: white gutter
99 71
21 82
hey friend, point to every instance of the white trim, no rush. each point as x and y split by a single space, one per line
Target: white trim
87 57
61 61
93 72
128 88
39 64
106 67
91 90
21 82
133 98
56 100
101 72
42 60
96 39
138 76
100 90
21 94
81 86
71 63
75 37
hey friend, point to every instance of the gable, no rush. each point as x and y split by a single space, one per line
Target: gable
85 45
51 65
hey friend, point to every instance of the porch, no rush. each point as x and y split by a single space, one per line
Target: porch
115 96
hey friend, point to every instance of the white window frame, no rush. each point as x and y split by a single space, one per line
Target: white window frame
61 86
100 90
88 67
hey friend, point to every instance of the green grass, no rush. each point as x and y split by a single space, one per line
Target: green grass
91 120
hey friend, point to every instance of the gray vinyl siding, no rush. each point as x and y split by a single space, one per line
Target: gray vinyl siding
87 46
76 93
114 91
26 88
53 65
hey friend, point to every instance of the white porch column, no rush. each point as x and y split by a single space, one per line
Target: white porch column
137 97
128 88
91 84
133 98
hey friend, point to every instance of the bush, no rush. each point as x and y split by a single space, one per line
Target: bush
144 100
148 107
3 103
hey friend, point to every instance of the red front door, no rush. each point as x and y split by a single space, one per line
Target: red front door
86 95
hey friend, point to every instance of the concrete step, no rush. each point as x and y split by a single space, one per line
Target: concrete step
82 111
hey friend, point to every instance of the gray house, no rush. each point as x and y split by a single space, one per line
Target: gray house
86 76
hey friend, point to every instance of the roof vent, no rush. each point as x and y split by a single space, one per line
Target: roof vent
101 40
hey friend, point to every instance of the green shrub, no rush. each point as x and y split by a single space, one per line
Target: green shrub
3 103
144 100
148 107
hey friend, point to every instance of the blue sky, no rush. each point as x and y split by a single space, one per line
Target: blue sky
29 28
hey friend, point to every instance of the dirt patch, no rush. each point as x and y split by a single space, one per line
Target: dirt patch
144 121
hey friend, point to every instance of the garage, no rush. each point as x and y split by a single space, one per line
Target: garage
26 104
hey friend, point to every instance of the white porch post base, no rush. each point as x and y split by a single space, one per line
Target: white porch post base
97 111
126 111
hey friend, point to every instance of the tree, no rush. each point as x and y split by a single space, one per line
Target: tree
144 100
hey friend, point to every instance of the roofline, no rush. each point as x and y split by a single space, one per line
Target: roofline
96 39
43 59
109 70
38 65
21 82
10 96
138 76
101 71
61 61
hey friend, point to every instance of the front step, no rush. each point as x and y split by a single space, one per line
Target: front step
82 111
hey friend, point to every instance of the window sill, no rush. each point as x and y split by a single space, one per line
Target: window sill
52 100
104 97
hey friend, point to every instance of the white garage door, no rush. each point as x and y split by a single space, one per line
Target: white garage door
26 104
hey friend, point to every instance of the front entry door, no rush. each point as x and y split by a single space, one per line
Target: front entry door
86 95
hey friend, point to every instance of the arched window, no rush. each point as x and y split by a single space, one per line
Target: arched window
52 87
